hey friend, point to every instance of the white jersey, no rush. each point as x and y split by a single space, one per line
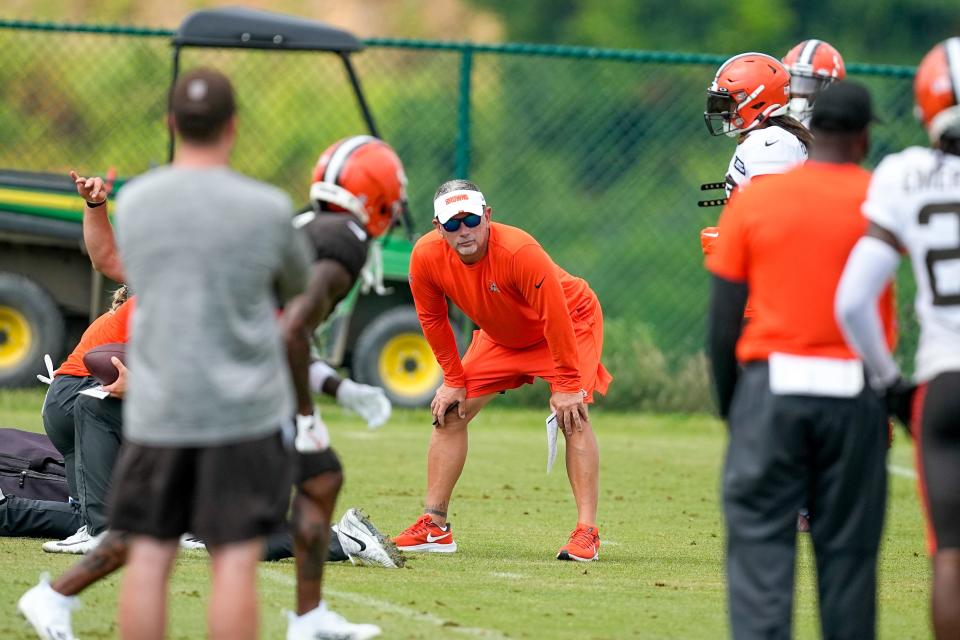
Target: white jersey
915 194
764 151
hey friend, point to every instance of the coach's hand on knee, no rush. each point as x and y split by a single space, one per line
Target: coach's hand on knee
444 401
571 410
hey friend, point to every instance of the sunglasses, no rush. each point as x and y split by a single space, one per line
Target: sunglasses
471 220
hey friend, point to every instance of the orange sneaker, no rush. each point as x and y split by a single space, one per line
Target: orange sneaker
583 545
426 535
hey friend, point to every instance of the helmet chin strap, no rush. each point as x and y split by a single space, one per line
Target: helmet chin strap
334 194
779 111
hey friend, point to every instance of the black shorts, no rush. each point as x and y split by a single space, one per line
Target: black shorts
315 464
339 237
937 431
223 494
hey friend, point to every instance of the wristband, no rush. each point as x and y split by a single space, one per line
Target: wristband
94 205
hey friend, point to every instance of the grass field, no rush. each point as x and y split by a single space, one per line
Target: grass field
660 574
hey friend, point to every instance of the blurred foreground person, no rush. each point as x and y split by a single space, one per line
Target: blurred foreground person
358 191
914 207
208 252
805 429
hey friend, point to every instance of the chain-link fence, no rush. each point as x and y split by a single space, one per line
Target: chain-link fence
598 153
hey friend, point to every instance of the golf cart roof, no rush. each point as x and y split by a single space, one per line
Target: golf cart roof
240 27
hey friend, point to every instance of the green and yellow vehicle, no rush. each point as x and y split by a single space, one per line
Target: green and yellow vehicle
49 292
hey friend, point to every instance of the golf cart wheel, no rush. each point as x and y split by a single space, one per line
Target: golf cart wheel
30 326
392 353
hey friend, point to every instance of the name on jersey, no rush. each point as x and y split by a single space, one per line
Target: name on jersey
940 178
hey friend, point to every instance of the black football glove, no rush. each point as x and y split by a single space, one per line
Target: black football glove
898 398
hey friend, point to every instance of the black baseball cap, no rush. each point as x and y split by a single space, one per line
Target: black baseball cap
201 103
843 107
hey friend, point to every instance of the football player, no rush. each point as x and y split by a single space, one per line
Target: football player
913 206
813 66
358 191
748 100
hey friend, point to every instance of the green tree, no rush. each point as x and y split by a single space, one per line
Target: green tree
888 31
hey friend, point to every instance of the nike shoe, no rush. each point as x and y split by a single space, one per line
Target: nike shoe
362 542
81 542
48 611
192 543
370 403
323 624
426 535
583 545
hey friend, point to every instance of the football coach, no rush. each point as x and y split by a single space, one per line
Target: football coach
804 427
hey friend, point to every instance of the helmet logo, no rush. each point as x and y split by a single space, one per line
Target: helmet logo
941 85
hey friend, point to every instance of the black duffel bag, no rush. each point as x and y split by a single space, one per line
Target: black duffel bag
31 467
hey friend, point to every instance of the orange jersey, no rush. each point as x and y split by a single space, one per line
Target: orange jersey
108 328
516 294
788 237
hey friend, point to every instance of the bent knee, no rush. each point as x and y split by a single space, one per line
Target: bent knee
453 425
585 434
322 486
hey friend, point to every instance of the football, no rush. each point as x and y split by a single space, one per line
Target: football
97 361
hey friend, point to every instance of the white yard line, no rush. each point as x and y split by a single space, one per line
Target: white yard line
903 472
389 607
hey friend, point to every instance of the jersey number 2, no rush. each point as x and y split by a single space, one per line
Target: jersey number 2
936 255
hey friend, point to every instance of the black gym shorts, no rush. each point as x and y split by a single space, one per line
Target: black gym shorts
937 432
222 494
315 464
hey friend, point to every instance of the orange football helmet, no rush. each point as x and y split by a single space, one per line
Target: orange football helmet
936 89
361 175
813 66
747 89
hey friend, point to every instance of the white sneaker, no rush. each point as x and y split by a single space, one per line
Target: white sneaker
362 541
80 542
193 543
370 403
48 611
323 624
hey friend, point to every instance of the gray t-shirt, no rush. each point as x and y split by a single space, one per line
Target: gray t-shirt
210 253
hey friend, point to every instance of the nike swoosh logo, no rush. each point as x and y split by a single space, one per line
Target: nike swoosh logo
363 546
431 538
537 286
770 143
712 235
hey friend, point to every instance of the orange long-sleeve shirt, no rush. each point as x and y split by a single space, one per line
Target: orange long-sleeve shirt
112 326
516 294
